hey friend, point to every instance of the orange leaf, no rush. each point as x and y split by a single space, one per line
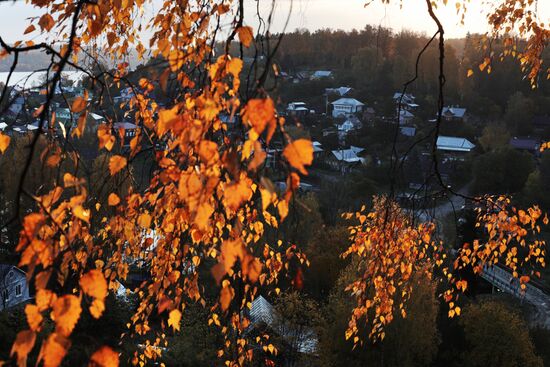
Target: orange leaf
245 35
226 295
34 317
208 152
79 104
299 153
104 357
113 199
54 350
116 163
106 139
29 29
174 319
234 66
46 22
24 342
144 220
4 142
259 114
93 283
66 312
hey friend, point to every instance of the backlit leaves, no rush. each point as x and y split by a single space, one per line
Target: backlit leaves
245 35
299 154
116 164
22 346
174 319
66 312
104 357
4 142
94 285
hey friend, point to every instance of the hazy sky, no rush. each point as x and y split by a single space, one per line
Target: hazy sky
315 14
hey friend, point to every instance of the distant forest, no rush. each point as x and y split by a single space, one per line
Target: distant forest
377 62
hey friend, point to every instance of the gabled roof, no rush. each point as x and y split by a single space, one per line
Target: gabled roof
124 125
95 116
346 155
525 143
407 130
348 101
406 114
317 148
322 74
341 91
454 111
6 268
454 144
407 98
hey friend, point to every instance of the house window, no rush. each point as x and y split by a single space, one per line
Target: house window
18 290
5 295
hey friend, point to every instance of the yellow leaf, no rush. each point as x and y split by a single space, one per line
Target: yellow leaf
470 73
116 163
245 35
299 153
174 319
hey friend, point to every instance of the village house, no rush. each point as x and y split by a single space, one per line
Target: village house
321 74
530 145
318 151
14 288
405 117
407 101
340 91
345 107
263 316
128 129
454 113
344 160
297 109
454 144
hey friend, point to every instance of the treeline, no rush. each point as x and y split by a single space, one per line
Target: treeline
377 62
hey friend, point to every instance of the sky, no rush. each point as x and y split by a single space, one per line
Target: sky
317 14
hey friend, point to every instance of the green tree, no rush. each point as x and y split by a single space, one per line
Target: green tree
494 137
519 114
502 171
410 341
496 336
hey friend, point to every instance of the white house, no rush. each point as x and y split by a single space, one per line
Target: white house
344 107
297 109
454 144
